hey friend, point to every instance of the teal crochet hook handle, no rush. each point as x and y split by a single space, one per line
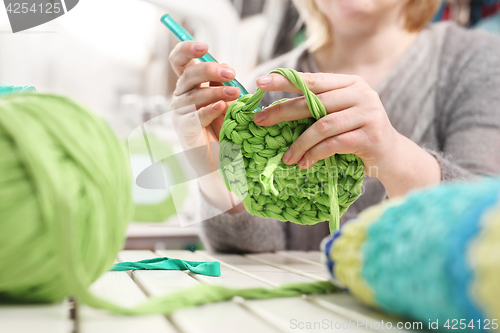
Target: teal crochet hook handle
182 35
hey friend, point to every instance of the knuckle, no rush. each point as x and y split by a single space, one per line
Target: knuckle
348 140
191 96
372 95
302 103
275 114
312 80
376 136
323 125
177 50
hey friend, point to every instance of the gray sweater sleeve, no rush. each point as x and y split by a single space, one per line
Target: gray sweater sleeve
468 101
240 233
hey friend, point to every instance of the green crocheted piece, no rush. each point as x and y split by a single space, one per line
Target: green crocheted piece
251 166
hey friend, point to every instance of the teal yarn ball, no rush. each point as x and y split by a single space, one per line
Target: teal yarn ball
65 198
432 256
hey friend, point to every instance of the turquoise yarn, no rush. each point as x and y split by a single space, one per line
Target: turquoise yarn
425 256
456 262
434 255
7 89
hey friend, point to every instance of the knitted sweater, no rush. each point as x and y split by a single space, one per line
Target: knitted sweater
444 94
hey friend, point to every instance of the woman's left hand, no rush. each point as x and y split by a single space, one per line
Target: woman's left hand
356 122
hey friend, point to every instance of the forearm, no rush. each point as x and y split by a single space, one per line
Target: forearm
215 192
240 233
408 167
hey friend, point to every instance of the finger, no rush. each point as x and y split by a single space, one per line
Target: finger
316 82
329 126
344 143
183 54
193 121
218 122
211 112
296 108
206 95
194 75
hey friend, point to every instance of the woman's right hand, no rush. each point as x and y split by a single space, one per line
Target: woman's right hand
199 97
200 101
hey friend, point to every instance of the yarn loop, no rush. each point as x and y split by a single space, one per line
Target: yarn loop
250 164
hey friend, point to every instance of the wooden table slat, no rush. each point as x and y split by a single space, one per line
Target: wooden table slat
43 318
348 306
310 257
310 271
118 288
275 276
296 310
223 317
266 270
157 283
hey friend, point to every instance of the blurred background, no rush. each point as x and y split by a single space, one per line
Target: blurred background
112 56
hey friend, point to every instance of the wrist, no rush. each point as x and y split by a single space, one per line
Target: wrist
407 167
214 191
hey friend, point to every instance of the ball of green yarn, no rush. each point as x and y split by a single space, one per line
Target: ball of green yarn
65 198
251 165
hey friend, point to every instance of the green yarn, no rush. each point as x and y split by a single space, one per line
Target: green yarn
209 268
64 197
65 202
206 294
251 166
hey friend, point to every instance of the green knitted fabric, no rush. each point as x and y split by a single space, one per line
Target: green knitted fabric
251 166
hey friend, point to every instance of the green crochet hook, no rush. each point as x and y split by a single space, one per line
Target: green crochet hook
182 35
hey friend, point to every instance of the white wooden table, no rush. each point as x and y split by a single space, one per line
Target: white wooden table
324 313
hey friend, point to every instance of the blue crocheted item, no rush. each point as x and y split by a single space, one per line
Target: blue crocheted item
423 254
459 240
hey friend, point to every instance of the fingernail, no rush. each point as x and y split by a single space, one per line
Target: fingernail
230 90
259 116
198 47
263 80
226 73
216 106
287 155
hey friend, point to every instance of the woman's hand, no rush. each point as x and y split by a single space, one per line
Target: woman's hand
199 97
199 104
356 123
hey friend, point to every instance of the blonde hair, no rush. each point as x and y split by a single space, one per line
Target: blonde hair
418 14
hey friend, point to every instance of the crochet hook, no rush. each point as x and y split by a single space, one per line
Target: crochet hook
182 35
